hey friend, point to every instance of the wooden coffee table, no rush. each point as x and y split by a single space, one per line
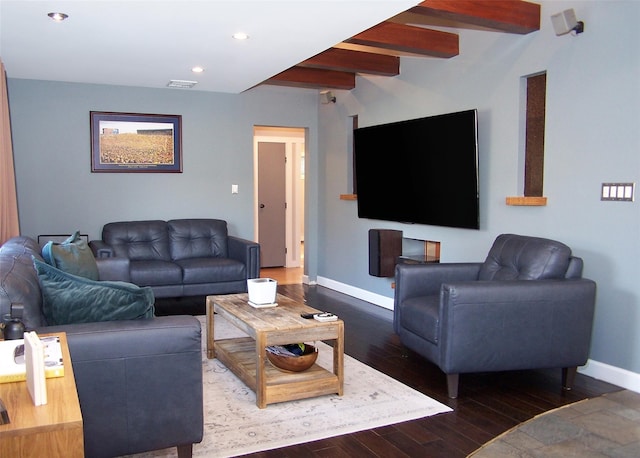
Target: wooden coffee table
246 356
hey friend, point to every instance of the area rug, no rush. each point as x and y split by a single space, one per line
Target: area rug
605 426
234 425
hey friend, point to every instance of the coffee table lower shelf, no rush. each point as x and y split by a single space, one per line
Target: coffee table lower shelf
239 355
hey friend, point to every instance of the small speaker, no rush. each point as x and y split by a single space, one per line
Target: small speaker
385 246
564 22
327 97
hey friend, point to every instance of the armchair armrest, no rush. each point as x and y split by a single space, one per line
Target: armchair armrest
139 383
425 279
416 280
509 325
101 249
247 252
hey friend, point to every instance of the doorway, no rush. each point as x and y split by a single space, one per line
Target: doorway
272 176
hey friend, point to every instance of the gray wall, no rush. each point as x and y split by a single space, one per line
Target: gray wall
592 136
58 194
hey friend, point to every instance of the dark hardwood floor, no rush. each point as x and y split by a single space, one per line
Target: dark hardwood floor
488 403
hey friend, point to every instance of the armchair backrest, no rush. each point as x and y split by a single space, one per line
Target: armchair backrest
519 257
19 283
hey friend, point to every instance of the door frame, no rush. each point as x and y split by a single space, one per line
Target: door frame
294 140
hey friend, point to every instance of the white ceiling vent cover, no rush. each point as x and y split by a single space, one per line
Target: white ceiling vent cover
182 84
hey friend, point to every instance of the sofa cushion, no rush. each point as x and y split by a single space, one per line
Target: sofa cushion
138 240
69 298
197 238
518 257
73 256
155 273
210 270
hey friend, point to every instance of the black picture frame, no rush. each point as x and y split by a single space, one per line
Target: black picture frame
136 142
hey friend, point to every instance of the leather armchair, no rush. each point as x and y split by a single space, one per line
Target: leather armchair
525 307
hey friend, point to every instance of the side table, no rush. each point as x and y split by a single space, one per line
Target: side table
53 429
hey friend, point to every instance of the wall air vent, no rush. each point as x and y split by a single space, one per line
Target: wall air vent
182 84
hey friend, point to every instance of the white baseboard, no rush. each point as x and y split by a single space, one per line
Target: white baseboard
377 299
600 371
612 374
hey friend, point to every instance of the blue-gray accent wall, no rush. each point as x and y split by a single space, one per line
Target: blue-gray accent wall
58 194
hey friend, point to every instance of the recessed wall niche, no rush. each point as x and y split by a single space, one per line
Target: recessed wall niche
534 129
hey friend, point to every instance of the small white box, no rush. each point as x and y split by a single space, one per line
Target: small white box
262 290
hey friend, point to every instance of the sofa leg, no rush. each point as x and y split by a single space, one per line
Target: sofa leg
185 451
568 377
452 385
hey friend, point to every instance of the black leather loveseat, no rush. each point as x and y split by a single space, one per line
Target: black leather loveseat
181 257
139 381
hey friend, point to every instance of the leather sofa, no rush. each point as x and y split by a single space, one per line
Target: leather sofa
139 381
526 306
181 257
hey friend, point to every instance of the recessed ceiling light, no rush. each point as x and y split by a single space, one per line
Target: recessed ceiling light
58 17
240 36
197 69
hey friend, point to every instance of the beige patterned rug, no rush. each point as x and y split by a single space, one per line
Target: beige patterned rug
234 425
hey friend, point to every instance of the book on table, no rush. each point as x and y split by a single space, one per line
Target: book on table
12 361
34 362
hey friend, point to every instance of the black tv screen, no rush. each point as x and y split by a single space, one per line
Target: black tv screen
422 171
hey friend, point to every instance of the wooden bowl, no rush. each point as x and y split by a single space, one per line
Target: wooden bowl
294 363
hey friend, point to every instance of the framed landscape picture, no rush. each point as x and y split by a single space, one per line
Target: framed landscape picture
135 142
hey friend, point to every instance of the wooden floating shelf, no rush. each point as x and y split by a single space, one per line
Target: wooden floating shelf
348 197
527 201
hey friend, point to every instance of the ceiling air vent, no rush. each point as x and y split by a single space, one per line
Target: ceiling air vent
182 84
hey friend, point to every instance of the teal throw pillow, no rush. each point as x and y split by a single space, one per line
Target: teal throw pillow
68 298
73 256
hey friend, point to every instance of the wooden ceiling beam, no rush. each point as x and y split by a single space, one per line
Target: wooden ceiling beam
403 38
376 50
512 16
355 62
314 79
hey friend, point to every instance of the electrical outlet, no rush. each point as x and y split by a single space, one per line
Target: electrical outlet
234 189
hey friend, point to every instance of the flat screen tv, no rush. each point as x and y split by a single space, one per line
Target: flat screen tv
422 171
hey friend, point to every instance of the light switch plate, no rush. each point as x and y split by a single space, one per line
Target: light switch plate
617 191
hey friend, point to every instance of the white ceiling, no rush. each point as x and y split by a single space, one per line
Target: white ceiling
149 42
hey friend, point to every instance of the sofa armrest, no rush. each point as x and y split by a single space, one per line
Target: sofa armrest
101 249
509 325
113 269
139 383
247 252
